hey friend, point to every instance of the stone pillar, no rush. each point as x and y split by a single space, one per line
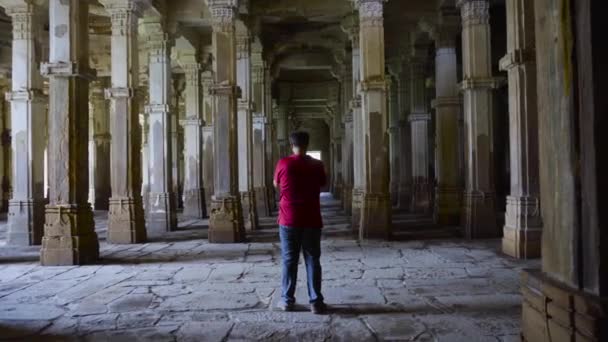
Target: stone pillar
522 230
269 140
405 141
351 27
99 146
194 193
226 219
419 118
282 120
26 206
207 81
567 300
259 134
126 216
177 110
347 142
69 231
447 106
394 150
5 153
161 215
477 86
375 204
245 128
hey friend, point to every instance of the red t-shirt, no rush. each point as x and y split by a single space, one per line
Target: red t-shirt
300 179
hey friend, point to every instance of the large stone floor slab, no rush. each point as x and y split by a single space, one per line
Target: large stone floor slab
184 289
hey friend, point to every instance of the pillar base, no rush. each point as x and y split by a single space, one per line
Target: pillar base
479 219
248 205
262 202
208 191
421 198
356 210
162 215
523 228
552 311
394 194
126 221
69 236
338 192
226 221
102 200
405 197
375 216
25 222
347 202
448 204
194 203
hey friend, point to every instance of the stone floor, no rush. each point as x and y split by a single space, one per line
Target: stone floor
183 288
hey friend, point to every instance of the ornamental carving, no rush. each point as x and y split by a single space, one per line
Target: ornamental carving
475 12
223 19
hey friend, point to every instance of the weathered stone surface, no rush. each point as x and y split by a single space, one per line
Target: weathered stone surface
131 302
204 331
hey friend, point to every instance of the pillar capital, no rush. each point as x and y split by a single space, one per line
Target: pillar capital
224 14
17 7
371 12
116 8
474 12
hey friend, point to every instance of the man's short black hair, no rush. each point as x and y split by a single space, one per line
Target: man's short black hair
299 139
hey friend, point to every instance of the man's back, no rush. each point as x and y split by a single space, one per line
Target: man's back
300 179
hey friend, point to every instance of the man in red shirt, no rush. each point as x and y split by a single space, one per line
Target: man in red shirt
300 178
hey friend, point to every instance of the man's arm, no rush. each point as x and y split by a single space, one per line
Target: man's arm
277 171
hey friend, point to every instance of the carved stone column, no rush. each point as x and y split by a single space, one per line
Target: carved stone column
126 216
479 196
259 134
351 27
207 167
245 128
161 215
347 138
5 153
394 148
194 194
269 141
100 188
375 205
522 230
405 140
447 106
419 118
69 231
226 219
26 206
282 120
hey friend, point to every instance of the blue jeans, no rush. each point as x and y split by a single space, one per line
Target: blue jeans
292 241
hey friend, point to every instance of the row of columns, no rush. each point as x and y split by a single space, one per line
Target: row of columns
237 133
210 128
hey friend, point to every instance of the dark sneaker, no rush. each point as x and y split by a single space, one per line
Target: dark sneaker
287 307
318 308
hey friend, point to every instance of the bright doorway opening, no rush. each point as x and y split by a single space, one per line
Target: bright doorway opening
315 154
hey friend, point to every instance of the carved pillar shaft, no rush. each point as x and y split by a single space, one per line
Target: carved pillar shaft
69 234
194 194
419 118
447 108
226 220
522 230
394 148
357 124
126 216
207 167
245 129
259 138
375 206
161 215
477 86
405 142
99 146
26 207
